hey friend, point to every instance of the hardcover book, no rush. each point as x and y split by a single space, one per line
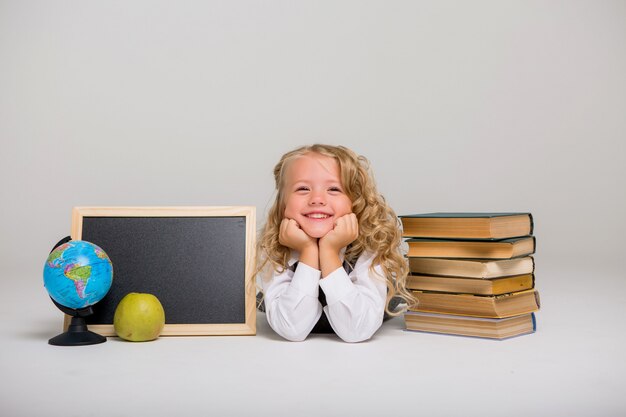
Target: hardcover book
475 249
472 268
467 225
495 306
471 326
477 286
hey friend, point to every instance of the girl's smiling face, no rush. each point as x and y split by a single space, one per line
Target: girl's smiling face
313 194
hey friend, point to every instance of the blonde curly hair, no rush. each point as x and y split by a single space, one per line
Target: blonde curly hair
379 230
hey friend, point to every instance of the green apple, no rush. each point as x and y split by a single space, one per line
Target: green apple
139 317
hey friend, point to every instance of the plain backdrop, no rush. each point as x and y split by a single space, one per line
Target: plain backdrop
459 106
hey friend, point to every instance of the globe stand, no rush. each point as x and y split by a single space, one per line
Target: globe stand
77 333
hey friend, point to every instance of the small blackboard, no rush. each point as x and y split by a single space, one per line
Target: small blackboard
198 261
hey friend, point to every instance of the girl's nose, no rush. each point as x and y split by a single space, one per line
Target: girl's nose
317 199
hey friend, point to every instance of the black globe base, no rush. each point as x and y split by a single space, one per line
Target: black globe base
77 334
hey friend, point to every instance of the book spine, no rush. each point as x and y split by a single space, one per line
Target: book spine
532 223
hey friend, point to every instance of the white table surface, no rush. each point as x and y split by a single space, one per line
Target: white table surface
572 366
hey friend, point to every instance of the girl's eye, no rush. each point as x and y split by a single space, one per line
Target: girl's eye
336 189
302 188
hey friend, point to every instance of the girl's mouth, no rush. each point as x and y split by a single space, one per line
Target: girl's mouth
317 216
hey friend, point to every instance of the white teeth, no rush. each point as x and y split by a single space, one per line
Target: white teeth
318 216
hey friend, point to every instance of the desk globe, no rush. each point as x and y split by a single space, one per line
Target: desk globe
77 274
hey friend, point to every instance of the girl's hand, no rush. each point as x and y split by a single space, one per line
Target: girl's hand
346 231
293 237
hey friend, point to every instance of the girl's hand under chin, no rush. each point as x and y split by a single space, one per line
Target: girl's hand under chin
346 231
292 236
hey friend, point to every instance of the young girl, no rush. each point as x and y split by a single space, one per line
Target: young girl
329 253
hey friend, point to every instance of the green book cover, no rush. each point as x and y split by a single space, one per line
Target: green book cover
462 215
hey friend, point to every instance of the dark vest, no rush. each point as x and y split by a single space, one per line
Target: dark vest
323 325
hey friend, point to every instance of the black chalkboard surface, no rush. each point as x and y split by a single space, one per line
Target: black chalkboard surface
197 261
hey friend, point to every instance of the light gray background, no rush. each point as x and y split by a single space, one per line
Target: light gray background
460 106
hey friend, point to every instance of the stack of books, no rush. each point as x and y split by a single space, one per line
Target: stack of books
471 273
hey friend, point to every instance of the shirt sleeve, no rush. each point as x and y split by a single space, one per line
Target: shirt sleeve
292 306
356 301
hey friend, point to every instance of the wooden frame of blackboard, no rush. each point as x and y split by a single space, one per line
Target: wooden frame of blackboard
248 327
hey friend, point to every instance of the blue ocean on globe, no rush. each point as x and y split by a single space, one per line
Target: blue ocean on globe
77 274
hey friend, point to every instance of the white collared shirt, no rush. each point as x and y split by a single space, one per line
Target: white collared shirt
356 301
